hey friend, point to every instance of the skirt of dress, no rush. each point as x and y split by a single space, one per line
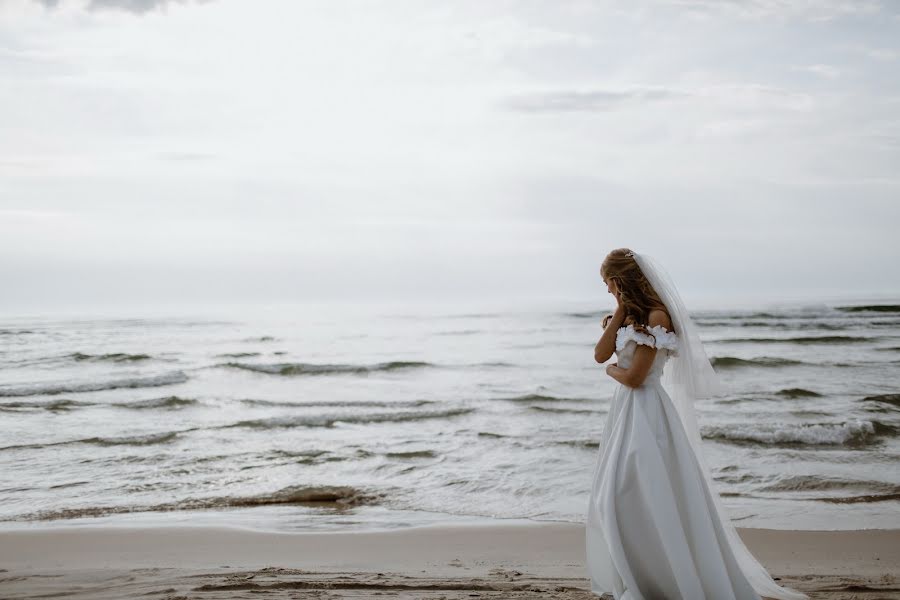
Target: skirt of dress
652 530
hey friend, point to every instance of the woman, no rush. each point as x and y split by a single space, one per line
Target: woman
656 529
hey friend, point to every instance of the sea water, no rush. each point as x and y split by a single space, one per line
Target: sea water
326 418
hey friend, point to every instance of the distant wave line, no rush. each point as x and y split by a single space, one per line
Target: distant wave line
340 403
806 483
131 440
331 420
824 339
52 389
324 369
66 404
112 357
762 361
544 398
870 308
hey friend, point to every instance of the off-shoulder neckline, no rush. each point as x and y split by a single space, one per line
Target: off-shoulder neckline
631 326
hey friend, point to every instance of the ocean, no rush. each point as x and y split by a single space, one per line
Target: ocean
315 418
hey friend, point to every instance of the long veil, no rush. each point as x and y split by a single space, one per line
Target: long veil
687 376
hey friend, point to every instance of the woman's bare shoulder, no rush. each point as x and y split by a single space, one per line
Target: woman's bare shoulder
659 317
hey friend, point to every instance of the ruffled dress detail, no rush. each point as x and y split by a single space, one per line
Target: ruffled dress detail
662 338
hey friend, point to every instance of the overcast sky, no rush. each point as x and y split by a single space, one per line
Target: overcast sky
235 150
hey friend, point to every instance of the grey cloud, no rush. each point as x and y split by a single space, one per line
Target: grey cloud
135 6
591 101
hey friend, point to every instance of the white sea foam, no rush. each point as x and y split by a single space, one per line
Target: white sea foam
855 431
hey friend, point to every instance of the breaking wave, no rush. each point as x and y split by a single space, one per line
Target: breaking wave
542 398
340 403
821 339
814 483
864 498
798 393
553 409
113 357
888 399
52 405
324 369
166 402
330 420
52 389
590 444
870 308
730 362
133 440
850 433
333 496
412 454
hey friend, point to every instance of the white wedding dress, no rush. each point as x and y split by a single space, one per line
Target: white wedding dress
652 530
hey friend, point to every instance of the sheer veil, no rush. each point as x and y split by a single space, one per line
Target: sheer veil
687 376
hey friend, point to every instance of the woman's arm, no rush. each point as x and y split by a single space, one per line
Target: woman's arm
643 358
637 371
607 344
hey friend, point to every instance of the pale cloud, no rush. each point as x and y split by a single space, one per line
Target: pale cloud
590 100
882 53
468 148
185 156
827 71
878 53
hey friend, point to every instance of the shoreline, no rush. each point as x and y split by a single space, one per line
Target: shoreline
452 562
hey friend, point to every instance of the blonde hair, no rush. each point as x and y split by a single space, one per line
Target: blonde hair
636 294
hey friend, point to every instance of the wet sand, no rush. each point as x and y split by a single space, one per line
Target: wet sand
544 560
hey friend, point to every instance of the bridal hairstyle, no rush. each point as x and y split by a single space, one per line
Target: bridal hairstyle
638 296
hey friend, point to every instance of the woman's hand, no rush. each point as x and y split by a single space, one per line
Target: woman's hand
614 290
609 368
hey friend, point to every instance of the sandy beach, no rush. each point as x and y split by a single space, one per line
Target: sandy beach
544 560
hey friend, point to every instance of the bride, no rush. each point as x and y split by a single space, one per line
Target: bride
656 528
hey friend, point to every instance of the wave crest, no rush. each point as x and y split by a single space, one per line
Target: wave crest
730 362
323 495
820 339
870 308
814 483
323 369
112 357
53 405
892 399
165 402
330 420
543 398
340 403
52 389
850 433
798 393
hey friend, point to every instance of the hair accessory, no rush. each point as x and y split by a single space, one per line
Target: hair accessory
630 253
